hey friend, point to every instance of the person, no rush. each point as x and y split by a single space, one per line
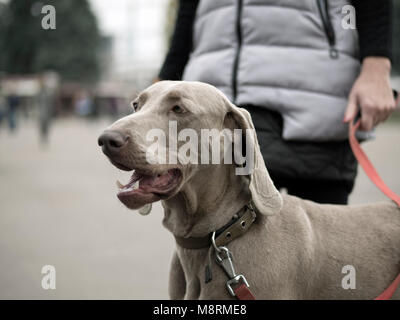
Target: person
13 102
2 105
2 100
48 82
300 73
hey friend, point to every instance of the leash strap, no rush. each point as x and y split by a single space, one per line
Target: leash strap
367 165
237 284
377 180
389 292
243 292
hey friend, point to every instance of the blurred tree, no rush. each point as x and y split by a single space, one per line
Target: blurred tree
3 20
71 49
396 37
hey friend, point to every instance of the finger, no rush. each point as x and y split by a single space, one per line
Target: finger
352 109
388 112
381 116
375 112
385 117
385 111
367 121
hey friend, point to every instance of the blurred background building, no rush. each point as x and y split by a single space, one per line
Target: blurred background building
138 46
102 50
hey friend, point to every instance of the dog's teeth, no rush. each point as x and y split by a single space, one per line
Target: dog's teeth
136 185
119 184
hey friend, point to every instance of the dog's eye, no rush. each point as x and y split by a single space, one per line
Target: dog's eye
177 109
135 106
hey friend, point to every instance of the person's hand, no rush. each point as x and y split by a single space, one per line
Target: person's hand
372 93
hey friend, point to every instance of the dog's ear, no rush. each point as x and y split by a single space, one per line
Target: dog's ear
265 196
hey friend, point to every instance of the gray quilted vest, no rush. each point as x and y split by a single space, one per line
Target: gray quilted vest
291 56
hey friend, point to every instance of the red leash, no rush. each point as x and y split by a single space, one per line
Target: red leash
243 292
367 165
377 180
389 292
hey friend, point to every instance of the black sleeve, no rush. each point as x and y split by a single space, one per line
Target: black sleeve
374 24
181 42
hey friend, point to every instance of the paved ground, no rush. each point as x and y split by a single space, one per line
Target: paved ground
58 207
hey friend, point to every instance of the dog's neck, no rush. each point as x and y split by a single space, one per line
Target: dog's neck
206 202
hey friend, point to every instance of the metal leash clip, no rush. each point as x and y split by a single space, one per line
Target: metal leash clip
224 259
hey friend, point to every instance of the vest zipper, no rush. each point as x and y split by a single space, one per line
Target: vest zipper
323 8
239 46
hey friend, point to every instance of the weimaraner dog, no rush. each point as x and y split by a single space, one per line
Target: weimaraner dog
295 249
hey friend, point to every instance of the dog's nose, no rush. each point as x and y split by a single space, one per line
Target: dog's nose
112 142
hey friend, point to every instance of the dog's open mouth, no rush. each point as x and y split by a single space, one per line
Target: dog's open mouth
142 188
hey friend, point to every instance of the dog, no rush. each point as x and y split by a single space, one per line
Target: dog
295 249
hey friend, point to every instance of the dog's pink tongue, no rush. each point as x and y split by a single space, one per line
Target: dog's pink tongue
155 181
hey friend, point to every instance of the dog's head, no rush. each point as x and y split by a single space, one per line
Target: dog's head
177 131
